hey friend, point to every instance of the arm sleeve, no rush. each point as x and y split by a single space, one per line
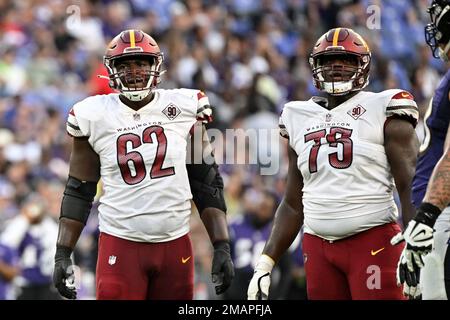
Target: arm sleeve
402 105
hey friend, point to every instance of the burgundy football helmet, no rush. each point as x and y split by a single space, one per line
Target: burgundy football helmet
133 44
345 45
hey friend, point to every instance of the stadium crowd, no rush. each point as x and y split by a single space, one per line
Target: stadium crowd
249 57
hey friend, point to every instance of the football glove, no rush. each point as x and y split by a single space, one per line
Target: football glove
418 236
413 292
258 288
63 275
410 280
222 267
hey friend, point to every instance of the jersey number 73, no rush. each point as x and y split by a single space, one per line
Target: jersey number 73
336 136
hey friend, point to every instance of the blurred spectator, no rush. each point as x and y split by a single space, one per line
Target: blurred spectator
249 234
8 271
33 235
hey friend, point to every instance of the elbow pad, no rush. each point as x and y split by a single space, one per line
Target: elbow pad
206 186
77 200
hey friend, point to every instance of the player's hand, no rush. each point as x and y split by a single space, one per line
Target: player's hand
412 292
418 236
409 279
258 288
222 267
419 241
63 275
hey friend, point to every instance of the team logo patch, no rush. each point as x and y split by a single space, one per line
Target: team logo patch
171 111
403 95
356 112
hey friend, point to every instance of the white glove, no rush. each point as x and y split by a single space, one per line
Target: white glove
418 236
419 242
258 288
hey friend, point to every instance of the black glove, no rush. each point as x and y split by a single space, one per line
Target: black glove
64 271
222 266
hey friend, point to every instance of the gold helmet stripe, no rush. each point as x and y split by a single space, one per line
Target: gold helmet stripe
132 40
336 37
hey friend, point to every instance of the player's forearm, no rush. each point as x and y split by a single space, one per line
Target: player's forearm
287 224
215 222
403 176
438 191
408 209
69 232
402 147
403 180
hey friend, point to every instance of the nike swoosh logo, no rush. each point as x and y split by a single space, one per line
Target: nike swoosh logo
183 260
405 95
376 252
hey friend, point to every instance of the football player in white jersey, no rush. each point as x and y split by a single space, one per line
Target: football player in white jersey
347 152
429 231
136 141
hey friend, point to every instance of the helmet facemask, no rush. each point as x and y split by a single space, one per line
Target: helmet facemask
135 75
437 33
350 73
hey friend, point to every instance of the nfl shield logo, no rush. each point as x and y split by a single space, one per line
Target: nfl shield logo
136 117
328 117
112 260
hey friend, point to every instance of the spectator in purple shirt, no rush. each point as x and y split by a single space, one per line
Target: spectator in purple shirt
8 270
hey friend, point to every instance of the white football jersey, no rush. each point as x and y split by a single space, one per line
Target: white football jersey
348 186
146 192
